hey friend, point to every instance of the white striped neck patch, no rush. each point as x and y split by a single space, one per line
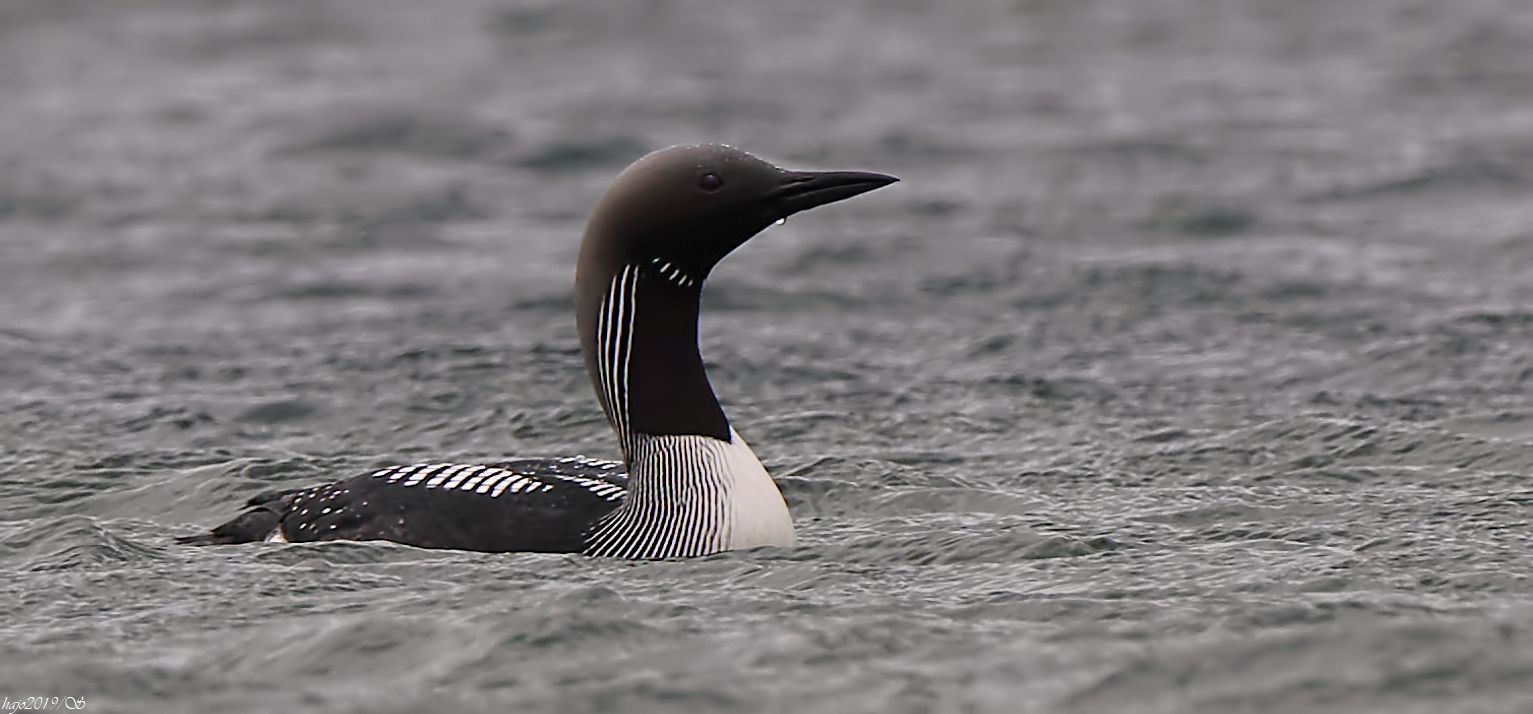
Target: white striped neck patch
692 495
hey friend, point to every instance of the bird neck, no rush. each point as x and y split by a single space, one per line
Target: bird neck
638 330
695 487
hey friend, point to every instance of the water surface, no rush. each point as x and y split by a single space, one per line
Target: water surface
1187 370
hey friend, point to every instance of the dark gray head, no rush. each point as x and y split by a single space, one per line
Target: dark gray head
689 206
662 226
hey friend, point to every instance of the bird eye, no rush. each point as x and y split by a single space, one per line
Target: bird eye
710 182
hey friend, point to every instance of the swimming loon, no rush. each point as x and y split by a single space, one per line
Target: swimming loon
688 484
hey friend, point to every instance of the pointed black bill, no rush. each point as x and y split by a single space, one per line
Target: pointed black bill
803 190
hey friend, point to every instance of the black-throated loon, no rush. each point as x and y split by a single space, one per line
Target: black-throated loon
688 484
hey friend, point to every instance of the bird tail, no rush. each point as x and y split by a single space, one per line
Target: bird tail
262 515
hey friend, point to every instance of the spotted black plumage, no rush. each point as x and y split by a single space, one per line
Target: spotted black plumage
532 505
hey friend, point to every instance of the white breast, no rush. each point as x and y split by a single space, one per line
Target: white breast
758 515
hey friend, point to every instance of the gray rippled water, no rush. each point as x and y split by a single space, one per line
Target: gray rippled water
1187 370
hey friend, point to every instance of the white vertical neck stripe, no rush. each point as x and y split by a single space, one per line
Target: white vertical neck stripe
614 348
